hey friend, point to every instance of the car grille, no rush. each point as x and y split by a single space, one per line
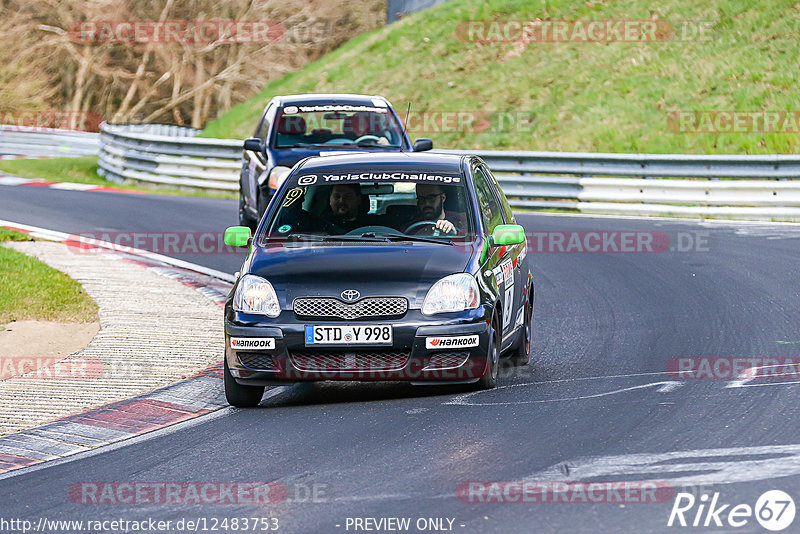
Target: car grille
256 360
445 360
367 360
322 307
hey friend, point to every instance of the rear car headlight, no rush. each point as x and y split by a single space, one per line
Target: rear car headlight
277 175
256 295
457 292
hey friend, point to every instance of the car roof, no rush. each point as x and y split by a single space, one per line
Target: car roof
328 98
450 163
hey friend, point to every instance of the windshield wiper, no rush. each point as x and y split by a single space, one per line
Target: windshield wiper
305 145
369 236
321 237
299 237
404 237
366 236
365 143
370 143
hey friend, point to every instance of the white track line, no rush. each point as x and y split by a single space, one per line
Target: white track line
54 235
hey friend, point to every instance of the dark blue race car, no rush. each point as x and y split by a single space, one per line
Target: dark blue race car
388 266
294 127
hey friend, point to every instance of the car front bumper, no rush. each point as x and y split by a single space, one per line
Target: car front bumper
407 359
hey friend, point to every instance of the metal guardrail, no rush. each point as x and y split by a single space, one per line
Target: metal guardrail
762 187
641 165
169 155
18 141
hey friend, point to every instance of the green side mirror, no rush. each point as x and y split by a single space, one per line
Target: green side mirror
508 234
237 236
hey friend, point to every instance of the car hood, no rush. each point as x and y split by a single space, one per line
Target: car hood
378 269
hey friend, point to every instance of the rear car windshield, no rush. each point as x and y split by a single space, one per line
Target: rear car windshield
357 202
336 125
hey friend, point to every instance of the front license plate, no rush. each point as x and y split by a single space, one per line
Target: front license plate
380 334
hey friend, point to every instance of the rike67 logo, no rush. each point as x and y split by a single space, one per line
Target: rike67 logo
774 510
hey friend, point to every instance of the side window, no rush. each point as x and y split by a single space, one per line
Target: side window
508 214
263 126
487 203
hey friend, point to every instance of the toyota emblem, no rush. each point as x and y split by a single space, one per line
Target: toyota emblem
350 295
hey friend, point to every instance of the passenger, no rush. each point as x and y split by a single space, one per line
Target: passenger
348 208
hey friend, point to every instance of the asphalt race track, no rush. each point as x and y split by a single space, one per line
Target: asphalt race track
596 404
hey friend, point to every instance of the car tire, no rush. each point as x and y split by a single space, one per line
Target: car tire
522 354
489 380
239 395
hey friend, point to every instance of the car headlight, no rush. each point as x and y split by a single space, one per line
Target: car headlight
256 295
453 293
277 176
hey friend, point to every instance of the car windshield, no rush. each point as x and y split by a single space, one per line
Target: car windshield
372 205
337 125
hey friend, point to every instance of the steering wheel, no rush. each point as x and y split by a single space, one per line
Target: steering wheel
434 231
368 137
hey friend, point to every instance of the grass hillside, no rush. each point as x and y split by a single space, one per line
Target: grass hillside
606 97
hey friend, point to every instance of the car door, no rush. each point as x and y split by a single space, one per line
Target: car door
498 260
255 163
516 253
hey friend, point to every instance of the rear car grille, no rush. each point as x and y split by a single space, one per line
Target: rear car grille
445 360
331 308
367 360
256 360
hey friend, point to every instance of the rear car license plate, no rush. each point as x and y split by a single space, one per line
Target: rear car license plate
380 334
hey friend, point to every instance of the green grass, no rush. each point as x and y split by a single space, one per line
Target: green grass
79 170
13 235
600 97
83 170
29 289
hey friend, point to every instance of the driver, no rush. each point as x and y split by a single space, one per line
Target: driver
364 123
430 205
348 207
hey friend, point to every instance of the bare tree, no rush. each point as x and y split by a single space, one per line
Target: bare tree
52 62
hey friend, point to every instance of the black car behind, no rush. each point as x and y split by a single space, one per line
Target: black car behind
293 127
